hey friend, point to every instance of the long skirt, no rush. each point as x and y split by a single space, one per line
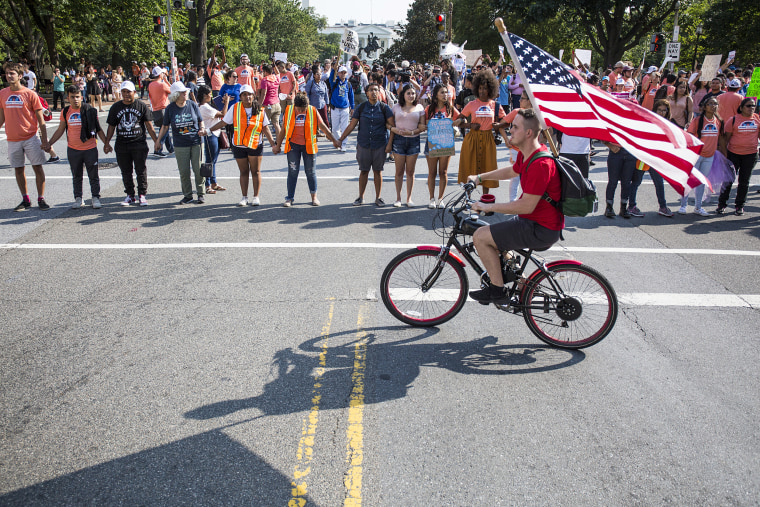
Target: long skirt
478 156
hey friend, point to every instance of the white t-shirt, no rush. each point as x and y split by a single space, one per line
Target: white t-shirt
31 79
208 114
575 145
228 118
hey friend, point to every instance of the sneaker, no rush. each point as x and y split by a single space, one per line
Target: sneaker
243 201
624 212
201 199
682 210
128 200
720 210
635 212
359 201
315 202
701 212
159 154
186 200
288 203
410 204
53 160
432 204
609 212
77 203
143 201
25 205
342 149
665 211
96 203
739 211
490 294
255 201
379 202
43 205
441 205
397 204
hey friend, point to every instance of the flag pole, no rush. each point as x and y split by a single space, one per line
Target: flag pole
516 61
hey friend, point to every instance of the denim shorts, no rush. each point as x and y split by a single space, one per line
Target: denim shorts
406 145
245 152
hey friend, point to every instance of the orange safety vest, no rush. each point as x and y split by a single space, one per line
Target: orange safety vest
246 134
310 129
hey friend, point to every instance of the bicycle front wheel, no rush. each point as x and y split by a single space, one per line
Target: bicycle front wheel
420 289
583 316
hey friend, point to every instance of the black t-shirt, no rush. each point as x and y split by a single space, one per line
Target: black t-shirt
129 121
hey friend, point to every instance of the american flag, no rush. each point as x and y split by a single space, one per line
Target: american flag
574 107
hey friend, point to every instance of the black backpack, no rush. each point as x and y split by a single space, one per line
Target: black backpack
578 193
355 83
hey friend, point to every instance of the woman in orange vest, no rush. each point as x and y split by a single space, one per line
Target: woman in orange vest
249 123
300 123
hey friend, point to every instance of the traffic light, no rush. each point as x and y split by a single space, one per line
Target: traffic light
657 42
159 24
183 4
440 26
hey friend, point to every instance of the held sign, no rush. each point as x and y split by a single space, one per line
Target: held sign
673 51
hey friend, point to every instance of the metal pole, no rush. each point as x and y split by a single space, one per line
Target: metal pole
451 20
696 46
170 44
675 31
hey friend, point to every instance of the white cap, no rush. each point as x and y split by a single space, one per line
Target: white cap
177 86
244 56
128 85
342 68
651 69
246 88
734 83
620 81
158 71
405 64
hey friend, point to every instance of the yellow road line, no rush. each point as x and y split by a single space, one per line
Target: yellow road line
352 479
309 427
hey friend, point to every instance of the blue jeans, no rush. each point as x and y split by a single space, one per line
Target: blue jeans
636 179
298 151
703 165
620 167
211 154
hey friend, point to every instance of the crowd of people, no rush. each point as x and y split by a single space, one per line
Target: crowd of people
211 107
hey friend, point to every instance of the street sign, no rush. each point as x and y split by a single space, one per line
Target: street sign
170 47
673 51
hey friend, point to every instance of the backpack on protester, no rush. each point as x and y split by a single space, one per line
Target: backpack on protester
577 193
356 84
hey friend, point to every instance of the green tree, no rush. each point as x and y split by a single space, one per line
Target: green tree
731 25
417 37
611 26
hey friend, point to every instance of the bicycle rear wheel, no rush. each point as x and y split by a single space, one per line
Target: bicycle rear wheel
401 288
582 317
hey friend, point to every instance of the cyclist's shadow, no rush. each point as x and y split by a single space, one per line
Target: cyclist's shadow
389 372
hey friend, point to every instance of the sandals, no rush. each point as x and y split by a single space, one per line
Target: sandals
210 190
218 188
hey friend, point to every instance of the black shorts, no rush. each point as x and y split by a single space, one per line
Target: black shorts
520 233
244 152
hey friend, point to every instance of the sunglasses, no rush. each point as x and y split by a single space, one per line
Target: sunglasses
749 105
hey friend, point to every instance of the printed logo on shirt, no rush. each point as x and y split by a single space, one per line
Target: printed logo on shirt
484 112
14 102
748 126
710 130
75 119
300 120
284 79
439 115
244 73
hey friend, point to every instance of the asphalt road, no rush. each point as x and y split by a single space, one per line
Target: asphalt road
210 354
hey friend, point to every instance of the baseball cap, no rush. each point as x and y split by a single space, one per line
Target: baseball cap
651 69
243 56
618 64
157 71
128 85
246 88
734 83
606 78
342 68
177 87
620 81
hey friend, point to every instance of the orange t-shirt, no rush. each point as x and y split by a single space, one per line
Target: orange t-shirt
217 77
482 112
74 130
441 113
245 76
728 104
20 113
710 134
158 92
510 118
288 84
299 128
648 101
744 134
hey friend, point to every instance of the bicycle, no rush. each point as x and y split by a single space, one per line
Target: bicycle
564 303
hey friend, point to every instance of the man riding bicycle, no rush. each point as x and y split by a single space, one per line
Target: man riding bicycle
538 224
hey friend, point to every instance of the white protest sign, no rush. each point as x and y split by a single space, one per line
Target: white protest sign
459 64
501 52
349 43
283 57
584 56
673 51
470 55
731 55
561 52
710 67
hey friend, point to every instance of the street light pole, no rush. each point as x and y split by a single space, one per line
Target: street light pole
696 46
675 30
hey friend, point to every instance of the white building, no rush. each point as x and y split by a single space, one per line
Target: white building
383 31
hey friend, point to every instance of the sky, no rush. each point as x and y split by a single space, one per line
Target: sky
362 11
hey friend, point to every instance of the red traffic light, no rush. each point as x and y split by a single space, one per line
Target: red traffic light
439 18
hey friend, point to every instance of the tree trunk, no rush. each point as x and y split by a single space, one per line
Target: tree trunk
45 22
198 28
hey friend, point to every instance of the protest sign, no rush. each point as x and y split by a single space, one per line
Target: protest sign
349 43
283 57
584 56
470 55
731 55
440 137
501 52
754 85
561 52
710 67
